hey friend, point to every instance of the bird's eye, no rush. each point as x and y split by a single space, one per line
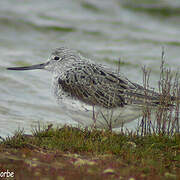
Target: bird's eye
56 58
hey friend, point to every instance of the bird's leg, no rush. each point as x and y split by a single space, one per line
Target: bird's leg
94 118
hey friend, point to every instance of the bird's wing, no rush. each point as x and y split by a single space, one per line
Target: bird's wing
97 86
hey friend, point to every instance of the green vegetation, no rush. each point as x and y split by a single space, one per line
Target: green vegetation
78 153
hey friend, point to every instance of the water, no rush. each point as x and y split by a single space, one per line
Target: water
102 30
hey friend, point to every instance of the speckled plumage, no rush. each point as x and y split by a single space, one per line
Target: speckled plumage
82 79
89 90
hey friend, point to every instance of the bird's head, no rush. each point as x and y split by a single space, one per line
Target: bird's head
58 59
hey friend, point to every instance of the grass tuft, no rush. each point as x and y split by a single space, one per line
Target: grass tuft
149 155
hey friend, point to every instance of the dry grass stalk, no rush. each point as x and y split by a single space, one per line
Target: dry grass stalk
167 113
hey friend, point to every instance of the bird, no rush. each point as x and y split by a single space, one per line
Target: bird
92 94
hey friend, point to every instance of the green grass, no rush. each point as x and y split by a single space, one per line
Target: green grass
124 154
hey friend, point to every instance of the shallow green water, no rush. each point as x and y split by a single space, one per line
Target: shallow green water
103 30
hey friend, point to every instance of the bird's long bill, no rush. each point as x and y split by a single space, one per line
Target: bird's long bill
37 66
